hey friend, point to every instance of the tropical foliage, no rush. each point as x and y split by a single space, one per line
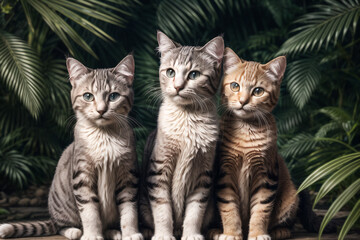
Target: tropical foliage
317 115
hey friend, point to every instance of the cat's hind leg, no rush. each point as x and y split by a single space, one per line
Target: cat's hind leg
71 233
286 205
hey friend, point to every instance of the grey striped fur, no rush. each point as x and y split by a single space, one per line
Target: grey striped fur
179 160
94 191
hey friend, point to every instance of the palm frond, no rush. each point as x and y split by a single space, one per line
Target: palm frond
329 22
15 168
58 91
298 145
327 168
336 178
326 128
353 216
302 78
337 114
177 18
339 202
20 69
77 12
288 119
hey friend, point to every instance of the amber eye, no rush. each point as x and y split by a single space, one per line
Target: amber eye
194 75
258 92
235 87
170 73
88 97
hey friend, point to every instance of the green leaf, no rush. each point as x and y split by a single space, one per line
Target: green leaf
20 69
300 144
53 13
327 168
331 20
302 78
326 128
339 202
337 114
336 178
3 211
350 220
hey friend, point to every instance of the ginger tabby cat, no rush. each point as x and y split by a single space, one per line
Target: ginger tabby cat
255 194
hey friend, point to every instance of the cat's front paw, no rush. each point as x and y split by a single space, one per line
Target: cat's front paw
260 237
193 237
136 236
91 237
113 234
163 237
227 237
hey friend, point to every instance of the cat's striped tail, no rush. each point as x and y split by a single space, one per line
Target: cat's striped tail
27 229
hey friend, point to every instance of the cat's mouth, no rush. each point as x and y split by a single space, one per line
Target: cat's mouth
102 120
181 99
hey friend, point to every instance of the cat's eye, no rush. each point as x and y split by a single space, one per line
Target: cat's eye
194 75
170 73
114 96
258 92
88 97
235 87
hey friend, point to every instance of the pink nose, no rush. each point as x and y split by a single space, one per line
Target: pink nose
101 112
178 89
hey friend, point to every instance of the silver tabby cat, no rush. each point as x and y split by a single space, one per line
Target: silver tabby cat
94 191
178 161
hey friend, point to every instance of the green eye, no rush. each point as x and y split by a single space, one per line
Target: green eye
235 87
258 92
88 97
114 96
194 75
170 73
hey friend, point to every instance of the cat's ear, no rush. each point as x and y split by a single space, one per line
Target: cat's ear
76 69
126 68
165 43
231 60
215 47
276 68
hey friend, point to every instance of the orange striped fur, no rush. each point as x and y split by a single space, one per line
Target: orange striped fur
255 195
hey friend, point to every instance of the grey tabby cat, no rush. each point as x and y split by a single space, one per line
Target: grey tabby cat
179 156
94 191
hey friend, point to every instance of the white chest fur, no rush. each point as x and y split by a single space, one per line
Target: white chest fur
195 134
103 146
190 129
106 148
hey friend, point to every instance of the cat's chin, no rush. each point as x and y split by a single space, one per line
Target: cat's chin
179 100
100 122
241 113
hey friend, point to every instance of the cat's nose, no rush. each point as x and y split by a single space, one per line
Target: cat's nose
243 101
178 88
101 112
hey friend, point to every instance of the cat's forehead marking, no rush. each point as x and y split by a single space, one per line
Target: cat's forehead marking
184 55
250 72
100 80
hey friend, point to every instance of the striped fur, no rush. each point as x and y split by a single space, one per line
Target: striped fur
179 156
255 195
94 191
